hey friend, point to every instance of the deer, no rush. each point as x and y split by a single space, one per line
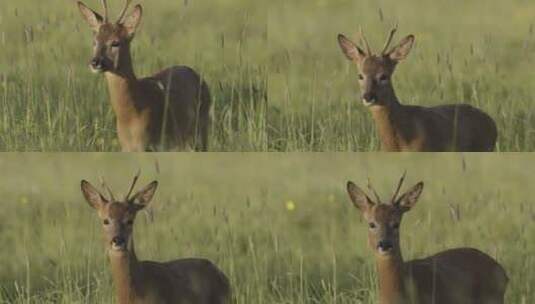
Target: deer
167 111
183 281
453 127
460 275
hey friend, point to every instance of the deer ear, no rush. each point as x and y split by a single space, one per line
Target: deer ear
132 21
144 196
350 49
409 198
92 196
402 50
358 197
93 18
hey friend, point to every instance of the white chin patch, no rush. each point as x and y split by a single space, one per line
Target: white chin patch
95 71
116 248
368 103
384 252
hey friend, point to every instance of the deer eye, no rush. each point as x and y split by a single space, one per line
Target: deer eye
361 77
115 44
106 222
372 225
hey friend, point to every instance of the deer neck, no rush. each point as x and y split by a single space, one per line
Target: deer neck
391 280
124 268
122 84
389 116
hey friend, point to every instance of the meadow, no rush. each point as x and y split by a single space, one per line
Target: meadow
477 52
280 226
52 102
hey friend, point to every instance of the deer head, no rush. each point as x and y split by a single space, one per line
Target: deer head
118 216
111 40
384 219
375 71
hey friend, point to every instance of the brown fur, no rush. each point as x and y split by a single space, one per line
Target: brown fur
461 275
446 275
183 281
458 127
168 111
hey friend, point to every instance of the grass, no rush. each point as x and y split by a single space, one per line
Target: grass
52 102
280 226
477 52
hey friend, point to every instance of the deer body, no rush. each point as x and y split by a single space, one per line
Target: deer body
442 279
457 127
158 108
460 276
183 281
168 111
415 128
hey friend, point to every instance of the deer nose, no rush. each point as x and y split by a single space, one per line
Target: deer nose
96 63
118 241
385 245
369 96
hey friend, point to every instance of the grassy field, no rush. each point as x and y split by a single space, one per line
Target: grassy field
51 101
477 52
280 226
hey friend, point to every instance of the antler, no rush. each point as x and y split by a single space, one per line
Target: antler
394 197
127 197
107 188
365 42
105 5
123 13
377 198
389 39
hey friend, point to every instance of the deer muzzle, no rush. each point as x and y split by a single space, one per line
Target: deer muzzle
97 64
118 243
385 247
369 97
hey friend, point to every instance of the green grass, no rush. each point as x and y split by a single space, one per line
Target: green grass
477 52
51 101
232 209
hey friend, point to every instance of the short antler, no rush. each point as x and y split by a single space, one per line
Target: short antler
107 188
389 40
395 196
105 5
134 181
123 12
377 198
365 42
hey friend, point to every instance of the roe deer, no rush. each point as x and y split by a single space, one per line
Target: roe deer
184 281
457 127
169 110
460 276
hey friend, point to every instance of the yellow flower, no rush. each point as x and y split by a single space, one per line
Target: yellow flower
290 205
24 200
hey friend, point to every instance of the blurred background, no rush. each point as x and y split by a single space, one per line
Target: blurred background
280 226
479 52
52 102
